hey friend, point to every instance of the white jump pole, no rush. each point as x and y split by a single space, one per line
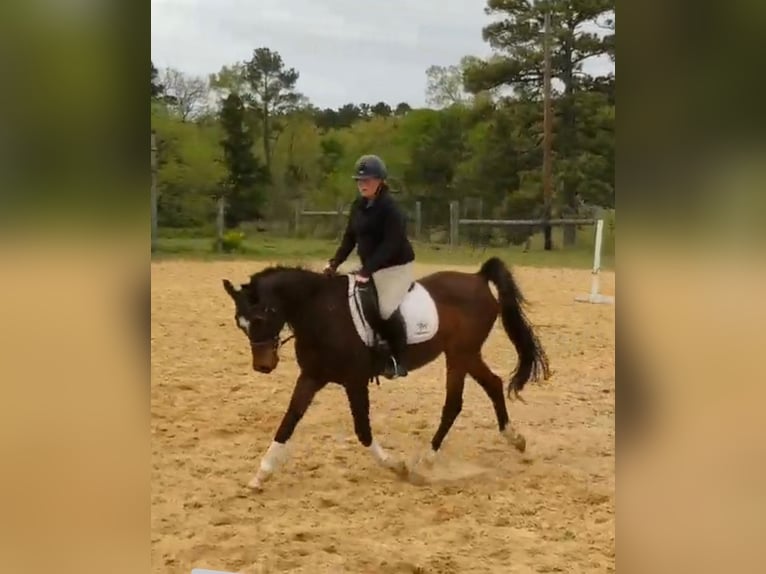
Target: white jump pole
594 296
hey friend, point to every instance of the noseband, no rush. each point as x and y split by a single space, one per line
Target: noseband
272 342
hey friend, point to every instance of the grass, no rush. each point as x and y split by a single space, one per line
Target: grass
266 247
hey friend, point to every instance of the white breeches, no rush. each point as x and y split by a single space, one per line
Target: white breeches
392 284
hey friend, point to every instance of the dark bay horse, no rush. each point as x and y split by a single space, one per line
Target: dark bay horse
329 349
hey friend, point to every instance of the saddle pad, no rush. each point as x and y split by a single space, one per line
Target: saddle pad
418 309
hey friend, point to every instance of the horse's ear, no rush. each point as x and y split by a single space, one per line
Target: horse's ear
230 289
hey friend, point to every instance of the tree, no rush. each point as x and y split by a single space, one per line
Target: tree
272 91
156 87
445 86
330 161
187 94
348 114
381 109
519 63
295 166
244 170
230 80
326 119
190 170
402 109
437 149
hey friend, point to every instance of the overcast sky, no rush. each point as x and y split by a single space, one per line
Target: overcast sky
345 50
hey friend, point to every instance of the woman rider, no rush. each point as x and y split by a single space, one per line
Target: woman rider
378 228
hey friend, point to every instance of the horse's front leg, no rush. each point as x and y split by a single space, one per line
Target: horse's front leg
359 400
303 394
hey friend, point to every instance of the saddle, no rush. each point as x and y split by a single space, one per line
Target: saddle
380 350
368 295
417 311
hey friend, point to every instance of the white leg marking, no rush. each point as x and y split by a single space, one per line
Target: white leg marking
429 457
377 451
386 460
425 458
273 457
269 463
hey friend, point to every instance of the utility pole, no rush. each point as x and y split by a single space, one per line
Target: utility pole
547 134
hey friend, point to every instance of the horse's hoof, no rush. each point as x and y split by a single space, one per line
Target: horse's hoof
423 461
427 459
417 479
399 468
516 439
256 484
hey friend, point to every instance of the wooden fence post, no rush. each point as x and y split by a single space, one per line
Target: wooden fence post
297 217
219 223
154 192
454 217
418 220
340 219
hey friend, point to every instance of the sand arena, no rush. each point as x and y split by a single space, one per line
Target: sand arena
331 508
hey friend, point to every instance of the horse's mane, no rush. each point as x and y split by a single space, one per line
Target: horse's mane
274 269
301 275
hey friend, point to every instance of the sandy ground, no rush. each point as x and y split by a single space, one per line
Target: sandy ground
331 508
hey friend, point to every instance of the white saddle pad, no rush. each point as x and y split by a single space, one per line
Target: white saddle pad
418 310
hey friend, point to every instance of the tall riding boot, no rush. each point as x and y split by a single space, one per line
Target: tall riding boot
396 335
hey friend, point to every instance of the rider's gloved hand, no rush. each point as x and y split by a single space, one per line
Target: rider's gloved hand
329 269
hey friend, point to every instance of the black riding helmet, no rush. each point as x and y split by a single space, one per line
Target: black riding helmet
369 167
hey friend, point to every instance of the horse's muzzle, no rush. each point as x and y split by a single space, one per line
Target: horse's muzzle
265 359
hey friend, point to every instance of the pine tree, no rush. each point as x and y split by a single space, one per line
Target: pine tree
518 63
245 173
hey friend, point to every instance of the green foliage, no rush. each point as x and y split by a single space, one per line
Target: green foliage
189 172
517 37
265 148
233 241
245 177
437 146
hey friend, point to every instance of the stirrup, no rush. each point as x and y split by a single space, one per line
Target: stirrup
394 369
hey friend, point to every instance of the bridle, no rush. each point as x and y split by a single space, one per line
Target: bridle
273 341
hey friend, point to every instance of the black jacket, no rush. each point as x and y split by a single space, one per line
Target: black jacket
379 231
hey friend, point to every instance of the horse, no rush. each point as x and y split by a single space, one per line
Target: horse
329 345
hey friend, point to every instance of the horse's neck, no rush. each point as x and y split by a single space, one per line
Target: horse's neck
297 294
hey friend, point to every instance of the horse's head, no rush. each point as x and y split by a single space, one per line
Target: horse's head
261 318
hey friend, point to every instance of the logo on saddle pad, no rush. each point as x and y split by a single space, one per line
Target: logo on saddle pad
417 308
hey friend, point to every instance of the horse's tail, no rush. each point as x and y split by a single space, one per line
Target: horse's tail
532 361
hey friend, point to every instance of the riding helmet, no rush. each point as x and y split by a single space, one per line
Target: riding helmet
370 167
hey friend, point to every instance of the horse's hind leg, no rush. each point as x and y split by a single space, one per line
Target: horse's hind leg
493 386
359 401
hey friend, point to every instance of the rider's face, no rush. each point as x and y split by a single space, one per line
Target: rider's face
367 187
